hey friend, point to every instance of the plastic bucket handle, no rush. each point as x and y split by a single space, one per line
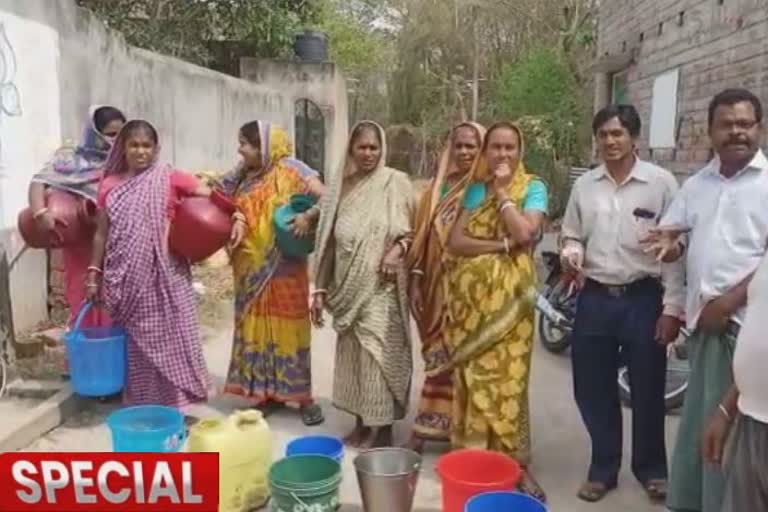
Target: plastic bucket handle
84 309
299 500
319 488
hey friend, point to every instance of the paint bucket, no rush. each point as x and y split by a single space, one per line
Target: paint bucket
147 429
305 482
98 362
467 473
329 446
503 501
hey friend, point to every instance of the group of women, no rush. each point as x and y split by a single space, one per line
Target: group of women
459 260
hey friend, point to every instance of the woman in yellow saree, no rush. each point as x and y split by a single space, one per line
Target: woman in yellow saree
491 283
271 360
436 213
364 232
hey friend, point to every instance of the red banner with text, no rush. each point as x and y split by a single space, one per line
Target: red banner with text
106 482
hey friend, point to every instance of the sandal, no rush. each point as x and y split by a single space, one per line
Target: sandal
268 408
656 490
312 415
529 485
593 492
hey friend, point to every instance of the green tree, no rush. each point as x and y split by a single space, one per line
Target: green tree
186 28
540 83
362 50
541 92
356 45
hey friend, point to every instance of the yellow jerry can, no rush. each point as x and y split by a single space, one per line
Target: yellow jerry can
244 444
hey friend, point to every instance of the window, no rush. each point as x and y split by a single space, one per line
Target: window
619 95
664 110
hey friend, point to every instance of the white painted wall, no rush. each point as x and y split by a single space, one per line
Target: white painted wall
29 133
66 60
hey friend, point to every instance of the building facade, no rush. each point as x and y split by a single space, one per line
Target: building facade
669 58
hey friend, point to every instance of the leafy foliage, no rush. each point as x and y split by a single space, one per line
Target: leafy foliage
362 50
542 93
538 84
355 46
186 28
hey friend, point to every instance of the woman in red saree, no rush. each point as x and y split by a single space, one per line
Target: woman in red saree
435 215
78 174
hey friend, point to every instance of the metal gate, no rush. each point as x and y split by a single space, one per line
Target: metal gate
310 134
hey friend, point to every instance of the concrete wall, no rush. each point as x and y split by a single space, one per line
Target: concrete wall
322 83
714 47
67 60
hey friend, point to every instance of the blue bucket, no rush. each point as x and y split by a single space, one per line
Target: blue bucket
504 502
97 358
329 446
147 429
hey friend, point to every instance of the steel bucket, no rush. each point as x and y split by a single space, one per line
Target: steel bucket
387 478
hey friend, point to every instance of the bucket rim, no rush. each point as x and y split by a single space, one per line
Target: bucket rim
337 451
507 493
323 437
308 457
316 436
450 456
330 483
305 455
118 334
126 410
416 467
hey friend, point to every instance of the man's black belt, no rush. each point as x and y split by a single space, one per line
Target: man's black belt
620 290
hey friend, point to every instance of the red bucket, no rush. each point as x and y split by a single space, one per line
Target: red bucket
467 473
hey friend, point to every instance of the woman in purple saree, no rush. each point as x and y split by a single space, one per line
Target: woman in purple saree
147 289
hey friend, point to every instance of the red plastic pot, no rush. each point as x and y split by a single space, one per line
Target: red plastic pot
202 226
75 226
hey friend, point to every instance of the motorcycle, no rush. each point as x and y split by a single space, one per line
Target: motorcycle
556 304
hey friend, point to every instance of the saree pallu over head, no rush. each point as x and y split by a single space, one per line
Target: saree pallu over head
374 213
257 197
148 291
80 172
271 357
491 295
435 215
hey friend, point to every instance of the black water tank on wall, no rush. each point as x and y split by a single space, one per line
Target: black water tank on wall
311 46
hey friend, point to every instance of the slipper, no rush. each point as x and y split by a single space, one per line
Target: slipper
592 492
312 415
529 485
268 408
656 490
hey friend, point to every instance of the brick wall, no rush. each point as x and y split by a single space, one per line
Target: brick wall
56 298
714 43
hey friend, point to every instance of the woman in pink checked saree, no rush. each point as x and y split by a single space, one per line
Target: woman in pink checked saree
146 288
